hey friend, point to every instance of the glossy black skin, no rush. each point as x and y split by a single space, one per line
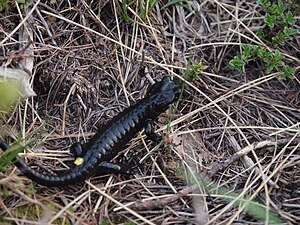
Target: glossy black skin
117 133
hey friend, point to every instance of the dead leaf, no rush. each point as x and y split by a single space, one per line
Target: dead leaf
21 77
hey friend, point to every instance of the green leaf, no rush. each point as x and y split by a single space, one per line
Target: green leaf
254 208
286 76
184 3
289 32
173 2
124 11
237 63
263 2
270 20
256 48
9 154
194 72
289 71
3 5
271 8
269 68
277 56
260 33
246 51
280 8
279 39
289 18
143 10
263 54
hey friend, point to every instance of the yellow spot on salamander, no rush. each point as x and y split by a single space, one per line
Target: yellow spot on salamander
78 161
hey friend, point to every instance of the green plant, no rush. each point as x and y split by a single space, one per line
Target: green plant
277 30
278 23
273 60
143 8
193 73
184 3
252 207
9 154
3 5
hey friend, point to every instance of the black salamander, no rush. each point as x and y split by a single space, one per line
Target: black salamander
117 133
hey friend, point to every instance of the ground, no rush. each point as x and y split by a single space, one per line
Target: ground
235 132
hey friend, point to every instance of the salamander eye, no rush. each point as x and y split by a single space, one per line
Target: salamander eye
153 88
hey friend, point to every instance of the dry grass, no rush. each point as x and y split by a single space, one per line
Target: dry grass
89 65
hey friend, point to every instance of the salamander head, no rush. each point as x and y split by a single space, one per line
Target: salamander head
164 93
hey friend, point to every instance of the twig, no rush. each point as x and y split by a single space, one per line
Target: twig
159 202
144 204
119 204
236 156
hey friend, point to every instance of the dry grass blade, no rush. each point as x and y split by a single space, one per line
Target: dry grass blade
120 204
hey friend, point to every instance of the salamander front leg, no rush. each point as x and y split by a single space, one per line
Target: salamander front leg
149 131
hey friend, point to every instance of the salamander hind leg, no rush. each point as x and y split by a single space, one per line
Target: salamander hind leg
76 150
116 168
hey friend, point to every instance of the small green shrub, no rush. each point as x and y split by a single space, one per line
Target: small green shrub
193 73
279 23
273 60
277 30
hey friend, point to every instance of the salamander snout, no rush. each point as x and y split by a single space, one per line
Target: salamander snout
169 86
165 92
